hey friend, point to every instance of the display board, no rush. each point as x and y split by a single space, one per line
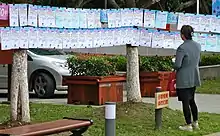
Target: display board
34 26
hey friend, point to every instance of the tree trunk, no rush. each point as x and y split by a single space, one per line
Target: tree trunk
133 81
19 88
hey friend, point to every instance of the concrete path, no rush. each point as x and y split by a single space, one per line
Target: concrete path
206 103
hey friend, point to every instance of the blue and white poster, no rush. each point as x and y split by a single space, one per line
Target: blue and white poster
172 18
161 19
216 7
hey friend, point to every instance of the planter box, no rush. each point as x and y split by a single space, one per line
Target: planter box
150 80
94 90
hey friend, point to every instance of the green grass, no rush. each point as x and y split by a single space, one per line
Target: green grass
132 119
210 87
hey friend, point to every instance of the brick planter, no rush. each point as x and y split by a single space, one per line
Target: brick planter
94 90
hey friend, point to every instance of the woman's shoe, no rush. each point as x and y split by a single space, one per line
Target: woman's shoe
187 127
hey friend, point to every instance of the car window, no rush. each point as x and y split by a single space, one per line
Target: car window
46 51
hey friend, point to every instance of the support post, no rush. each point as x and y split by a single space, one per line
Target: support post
110 116
197 3
9 81
158 114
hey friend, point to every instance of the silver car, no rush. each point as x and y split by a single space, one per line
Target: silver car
45 70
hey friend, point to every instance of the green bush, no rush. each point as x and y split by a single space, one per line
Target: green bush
210 59
120 62
107 65
156 63
90 66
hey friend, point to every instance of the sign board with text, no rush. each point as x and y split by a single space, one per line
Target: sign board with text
161 99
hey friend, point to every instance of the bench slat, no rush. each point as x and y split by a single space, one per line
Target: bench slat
46 128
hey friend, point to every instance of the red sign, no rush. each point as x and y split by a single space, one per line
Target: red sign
161 100
4 11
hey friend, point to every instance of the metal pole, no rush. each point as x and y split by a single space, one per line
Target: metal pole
110 116
158 114
198 6
9 81
106 4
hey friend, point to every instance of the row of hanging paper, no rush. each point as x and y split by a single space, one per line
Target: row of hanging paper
32 37
61 17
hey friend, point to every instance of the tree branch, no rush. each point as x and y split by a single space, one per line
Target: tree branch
147 3
205 6
130 3
185 5
113 3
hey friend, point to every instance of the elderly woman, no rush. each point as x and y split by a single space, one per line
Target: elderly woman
187 76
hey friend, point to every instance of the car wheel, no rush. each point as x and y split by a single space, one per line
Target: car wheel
43 85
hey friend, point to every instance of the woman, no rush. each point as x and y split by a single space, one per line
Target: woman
187 76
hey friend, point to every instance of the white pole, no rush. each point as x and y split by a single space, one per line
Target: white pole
197 6
110 116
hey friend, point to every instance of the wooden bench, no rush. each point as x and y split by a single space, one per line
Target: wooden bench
76 126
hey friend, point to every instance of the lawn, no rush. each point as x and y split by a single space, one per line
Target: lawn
210 87
132 119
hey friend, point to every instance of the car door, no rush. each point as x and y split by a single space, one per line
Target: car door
3 76
4 73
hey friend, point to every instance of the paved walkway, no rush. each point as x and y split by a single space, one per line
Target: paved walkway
206 103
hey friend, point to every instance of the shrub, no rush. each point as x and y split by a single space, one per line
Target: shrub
90 66
210 59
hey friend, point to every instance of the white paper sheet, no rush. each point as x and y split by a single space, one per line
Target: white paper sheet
149 18
158 39
111 13
205 22
105 39
60 17
97 20
126 17
169 39
68 22
145 37
118 21
218 24
13 14
117 36
33 37
42 16
6 43
202 40
32 15
124 36
130 34
178 41
23 14
183 19
51 16
90 14
41 38
67 35
83 18
74 39
81 39
59 38
136 37
23 41
194 22
97 39
75 18
138 17
15 37
214 23
161 19
89 38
